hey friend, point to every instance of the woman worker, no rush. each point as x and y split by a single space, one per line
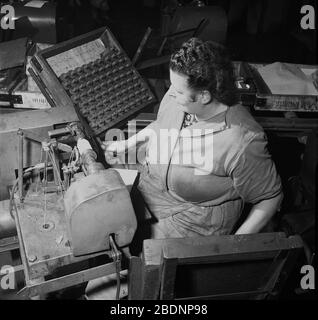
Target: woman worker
205 154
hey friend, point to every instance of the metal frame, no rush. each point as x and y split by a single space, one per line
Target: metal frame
35 272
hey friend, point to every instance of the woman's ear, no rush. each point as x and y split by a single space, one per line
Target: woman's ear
206 97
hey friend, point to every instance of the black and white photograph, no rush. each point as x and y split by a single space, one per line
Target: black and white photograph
157 157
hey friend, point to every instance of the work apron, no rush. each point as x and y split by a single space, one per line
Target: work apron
175 218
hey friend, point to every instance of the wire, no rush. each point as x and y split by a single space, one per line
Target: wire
45 184
56 171
117 259
16 183
71 157
12 198
39 178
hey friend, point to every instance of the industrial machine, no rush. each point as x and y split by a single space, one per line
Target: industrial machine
67 214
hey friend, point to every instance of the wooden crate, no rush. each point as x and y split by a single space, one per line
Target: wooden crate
251 266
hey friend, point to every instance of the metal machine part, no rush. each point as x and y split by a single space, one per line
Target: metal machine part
60 225
97 203
97 206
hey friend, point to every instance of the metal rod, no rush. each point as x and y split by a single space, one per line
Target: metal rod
67 280
59 132
198 28
162 46
141 46
20 161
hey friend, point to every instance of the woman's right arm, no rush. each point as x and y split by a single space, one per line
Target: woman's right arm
122 146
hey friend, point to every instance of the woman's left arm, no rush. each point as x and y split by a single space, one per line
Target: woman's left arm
257 181
260 215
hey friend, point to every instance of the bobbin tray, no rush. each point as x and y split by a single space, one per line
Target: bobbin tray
92 74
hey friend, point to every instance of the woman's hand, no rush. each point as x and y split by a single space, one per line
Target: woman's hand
114 151
260 215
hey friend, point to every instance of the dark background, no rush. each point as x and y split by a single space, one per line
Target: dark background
258 30
275 35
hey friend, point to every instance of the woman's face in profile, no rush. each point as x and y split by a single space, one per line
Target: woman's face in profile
187 99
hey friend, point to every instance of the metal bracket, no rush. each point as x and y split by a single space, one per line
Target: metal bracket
115 254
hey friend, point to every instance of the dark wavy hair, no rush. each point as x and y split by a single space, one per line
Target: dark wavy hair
208 67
